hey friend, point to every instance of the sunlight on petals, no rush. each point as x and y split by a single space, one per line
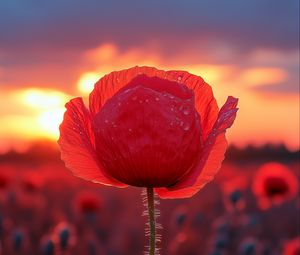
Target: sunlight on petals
213 73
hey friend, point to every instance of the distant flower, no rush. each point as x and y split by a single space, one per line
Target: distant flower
31 183
233 190
273 184
88 202
179 217
19 241
222 225
292 247
65 236
4 181
249 246
220 242
147 128
48 246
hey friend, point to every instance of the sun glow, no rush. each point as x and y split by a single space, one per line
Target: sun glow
32 113
49 122
263 76
87 81
48 106
42 99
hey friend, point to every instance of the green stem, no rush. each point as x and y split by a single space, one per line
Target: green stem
152 222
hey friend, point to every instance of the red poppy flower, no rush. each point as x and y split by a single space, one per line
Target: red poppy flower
233 188
292 247
4 181
273 184
88 202
31 182
147 128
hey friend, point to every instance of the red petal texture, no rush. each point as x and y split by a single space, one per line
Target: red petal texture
205 102
77 145
146 137
211 157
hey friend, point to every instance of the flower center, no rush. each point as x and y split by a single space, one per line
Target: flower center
276 186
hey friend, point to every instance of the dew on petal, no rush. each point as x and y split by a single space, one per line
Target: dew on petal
186 127
186 112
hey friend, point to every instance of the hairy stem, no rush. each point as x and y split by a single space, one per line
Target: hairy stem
152 221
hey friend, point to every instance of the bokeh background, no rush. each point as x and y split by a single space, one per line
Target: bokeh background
51 51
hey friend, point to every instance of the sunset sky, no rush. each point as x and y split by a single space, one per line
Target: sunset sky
51 51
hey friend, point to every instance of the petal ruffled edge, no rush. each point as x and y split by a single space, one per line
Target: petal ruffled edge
76 143
205 102
111 83
211 157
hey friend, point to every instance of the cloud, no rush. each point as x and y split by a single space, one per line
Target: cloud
82 25
43 44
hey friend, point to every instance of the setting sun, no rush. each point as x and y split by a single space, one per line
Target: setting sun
49 122
87 81
42 99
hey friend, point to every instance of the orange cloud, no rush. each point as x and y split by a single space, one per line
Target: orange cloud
30 113
263 76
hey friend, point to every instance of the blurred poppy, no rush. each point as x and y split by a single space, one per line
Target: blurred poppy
249 246
65 236
233 190
179 217
31 182
19 243
4 181
274 183
222 225
147 128
88 202
220 242
17 240
292 247
47 246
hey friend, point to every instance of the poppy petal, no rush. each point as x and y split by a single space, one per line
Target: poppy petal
211 156
205 102
77 145
111 83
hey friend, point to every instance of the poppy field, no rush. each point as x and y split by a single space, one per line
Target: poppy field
45 210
